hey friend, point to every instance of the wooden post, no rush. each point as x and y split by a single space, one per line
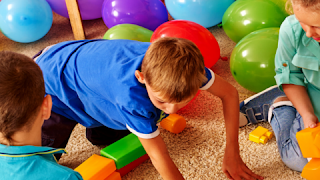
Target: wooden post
75 19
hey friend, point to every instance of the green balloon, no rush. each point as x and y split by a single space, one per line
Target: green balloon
246 16
282 5
252 59
128 31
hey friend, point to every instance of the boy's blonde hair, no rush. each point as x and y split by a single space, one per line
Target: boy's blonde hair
21 93
174 67
313 5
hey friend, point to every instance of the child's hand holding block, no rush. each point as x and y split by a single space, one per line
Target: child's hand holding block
260 135
174 123
309 142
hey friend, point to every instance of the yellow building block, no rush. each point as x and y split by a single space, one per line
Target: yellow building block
309 142
311 170
260 135
174 123
96 168
114 176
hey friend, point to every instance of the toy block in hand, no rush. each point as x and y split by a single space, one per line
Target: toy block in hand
260 135
309 142
126 169
96 168
311 170
174 123
124 151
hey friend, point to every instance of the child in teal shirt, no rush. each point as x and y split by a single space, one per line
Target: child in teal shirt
23 109
298 75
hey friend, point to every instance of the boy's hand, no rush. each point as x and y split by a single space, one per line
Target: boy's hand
235 168
159 155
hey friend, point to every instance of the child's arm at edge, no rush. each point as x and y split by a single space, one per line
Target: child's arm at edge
233 166
159 155
300 99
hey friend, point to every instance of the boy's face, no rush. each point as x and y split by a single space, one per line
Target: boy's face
157 99
168 108
309 21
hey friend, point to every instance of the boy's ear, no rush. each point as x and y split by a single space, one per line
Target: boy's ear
46 107
139 76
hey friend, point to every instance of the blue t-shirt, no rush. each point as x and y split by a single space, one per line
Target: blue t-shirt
32 162
93 83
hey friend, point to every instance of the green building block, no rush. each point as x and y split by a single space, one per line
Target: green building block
124 151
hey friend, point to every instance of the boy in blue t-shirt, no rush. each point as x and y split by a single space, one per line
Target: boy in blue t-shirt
114 87
23 108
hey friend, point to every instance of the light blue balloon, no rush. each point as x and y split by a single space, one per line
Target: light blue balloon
207 13
25 20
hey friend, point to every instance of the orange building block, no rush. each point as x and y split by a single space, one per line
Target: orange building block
311 171
96 168
309 142
114 176
174 123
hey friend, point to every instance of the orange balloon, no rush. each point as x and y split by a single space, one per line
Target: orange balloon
194 32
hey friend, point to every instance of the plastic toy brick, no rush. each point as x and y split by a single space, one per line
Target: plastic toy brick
96 168
114 176
174 123
309 142
126 169
124 151
311 170
260 135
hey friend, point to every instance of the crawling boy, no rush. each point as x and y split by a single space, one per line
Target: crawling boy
114 87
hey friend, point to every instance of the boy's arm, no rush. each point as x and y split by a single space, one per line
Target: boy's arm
233 166
159 155
300 99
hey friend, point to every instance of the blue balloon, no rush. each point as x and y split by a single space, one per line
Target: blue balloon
25 20
204 12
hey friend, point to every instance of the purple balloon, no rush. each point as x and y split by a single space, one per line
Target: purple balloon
145 13
89 9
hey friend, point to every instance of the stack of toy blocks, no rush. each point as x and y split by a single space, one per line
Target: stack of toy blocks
309 142
127 153
98 168
121 157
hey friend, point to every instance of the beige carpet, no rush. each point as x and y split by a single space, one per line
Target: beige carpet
197 151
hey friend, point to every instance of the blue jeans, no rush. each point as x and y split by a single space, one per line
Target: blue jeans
286 122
